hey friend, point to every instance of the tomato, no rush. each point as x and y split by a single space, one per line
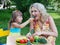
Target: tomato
22 41
31 39
25 40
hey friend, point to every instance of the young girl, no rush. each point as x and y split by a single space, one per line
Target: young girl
15 27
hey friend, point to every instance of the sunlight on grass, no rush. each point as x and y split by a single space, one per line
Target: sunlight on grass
55 15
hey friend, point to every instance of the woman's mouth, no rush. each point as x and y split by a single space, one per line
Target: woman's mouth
34 16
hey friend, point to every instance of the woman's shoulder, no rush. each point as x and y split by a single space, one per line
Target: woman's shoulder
48 18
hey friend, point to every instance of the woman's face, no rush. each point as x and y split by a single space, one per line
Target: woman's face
35 12
19 19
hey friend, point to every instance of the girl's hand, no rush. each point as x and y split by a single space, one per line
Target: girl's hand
31 19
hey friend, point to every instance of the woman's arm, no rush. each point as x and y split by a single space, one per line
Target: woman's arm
31 25
53 28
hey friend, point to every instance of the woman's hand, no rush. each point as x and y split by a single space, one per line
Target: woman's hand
37 33
29 34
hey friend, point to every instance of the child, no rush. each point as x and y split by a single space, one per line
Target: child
15 27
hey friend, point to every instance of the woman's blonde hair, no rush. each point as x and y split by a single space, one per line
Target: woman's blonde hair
41 8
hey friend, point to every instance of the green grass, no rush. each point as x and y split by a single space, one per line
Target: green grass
5 16
56 17
3 39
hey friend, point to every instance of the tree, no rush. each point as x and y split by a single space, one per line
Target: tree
23 5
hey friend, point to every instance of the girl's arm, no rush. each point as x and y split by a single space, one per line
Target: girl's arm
22 25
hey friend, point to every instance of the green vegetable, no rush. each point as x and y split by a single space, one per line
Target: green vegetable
32 31
43 41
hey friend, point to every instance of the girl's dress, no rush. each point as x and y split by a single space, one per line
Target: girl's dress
14 34
45 27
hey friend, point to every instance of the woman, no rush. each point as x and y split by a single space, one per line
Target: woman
43 24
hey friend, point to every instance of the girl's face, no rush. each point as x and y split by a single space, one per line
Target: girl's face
35 12
19 19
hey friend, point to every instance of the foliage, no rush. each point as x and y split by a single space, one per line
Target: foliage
0 1
3 40
5 16
23 5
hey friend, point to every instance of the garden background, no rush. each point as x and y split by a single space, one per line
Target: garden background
52 6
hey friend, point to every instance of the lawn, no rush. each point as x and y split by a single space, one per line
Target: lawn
56 17
5 16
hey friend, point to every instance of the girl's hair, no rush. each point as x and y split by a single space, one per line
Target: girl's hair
14 15
41 9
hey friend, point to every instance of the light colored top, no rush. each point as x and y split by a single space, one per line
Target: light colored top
15 32
45 26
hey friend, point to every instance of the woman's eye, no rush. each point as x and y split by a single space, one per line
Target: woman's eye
35 11
31 11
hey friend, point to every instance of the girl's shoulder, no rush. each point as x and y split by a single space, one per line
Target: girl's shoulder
14 24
